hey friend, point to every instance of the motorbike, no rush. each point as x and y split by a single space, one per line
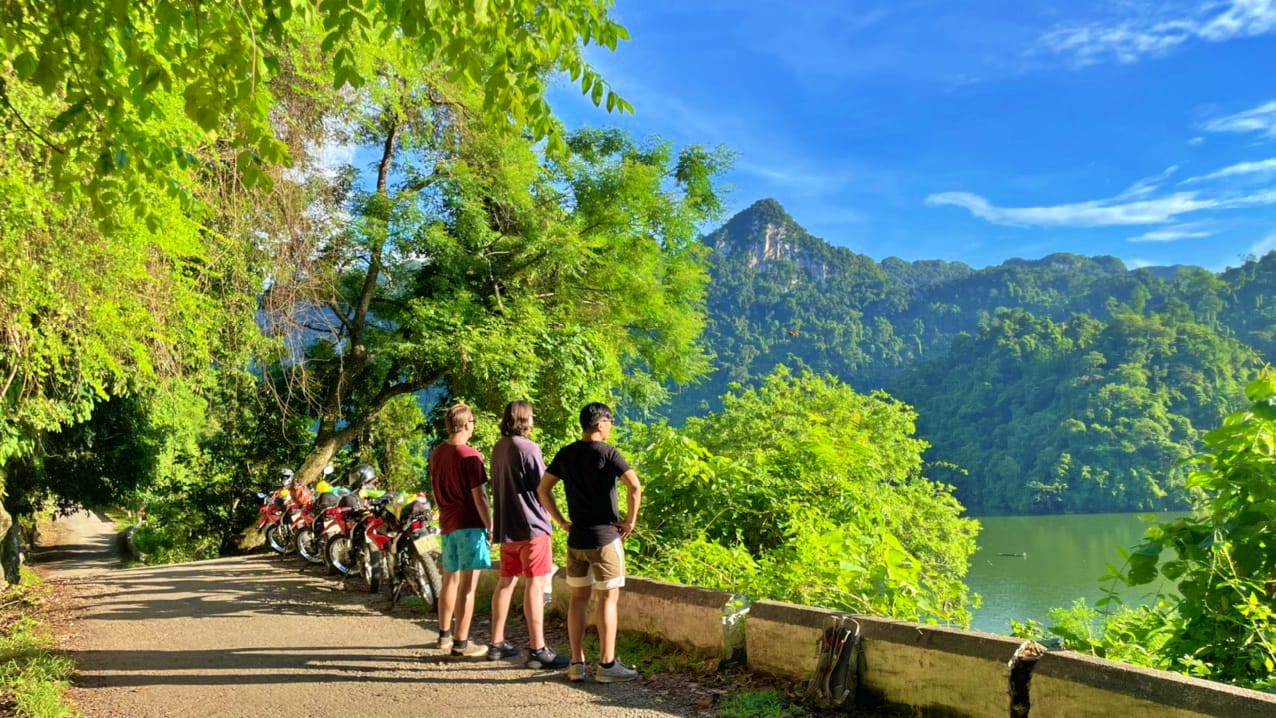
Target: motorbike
380 527
307 528
270 518
417 551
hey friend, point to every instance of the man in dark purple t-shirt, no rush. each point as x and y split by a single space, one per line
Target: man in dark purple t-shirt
523 532
457 477
589 470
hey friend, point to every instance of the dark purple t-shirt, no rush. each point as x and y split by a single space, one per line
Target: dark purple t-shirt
589 470
455 471
517 466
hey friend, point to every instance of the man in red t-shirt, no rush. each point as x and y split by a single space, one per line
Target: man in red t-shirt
457 476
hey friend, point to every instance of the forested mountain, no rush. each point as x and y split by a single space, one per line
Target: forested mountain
1064 384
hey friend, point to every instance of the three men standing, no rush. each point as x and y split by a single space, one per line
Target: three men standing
523 488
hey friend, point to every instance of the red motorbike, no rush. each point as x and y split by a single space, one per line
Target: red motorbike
417 551
270 518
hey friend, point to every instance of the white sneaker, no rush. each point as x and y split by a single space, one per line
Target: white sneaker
577 672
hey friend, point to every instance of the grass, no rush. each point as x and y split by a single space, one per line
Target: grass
758 704
33 679
650 655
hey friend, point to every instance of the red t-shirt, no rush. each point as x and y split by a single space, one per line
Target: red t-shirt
455 471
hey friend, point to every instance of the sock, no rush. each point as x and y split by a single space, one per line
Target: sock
538 650
445 634
460 644
608 664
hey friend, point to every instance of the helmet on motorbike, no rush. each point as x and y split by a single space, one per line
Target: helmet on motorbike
323 487
285 476
364 476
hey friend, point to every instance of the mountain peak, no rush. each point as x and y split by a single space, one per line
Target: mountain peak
761 230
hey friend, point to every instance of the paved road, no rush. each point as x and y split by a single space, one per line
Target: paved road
265 636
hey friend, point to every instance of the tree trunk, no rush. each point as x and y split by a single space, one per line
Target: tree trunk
10 547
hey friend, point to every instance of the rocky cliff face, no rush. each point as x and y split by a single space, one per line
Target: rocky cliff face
765 233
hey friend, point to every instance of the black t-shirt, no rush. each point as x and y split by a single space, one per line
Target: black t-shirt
589 470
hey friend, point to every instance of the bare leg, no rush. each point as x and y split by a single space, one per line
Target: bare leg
577 619
447 601
465 603
607 601
534 610
501 598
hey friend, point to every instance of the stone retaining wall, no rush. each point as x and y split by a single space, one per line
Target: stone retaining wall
938 671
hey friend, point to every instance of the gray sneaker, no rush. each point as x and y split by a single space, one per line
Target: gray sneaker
618 673
578 672
547 659
501 651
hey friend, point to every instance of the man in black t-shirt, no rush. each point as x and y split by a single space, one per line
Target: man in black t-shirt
589 469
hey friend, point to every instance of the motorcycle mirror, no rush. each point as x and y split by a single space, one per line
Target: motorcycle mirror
327 470
260 495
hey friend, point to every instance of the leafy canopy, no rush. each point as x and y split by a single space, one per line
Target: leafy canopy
804 490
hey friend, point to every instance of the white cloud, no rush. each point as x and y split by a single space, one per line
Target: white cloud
1152 32
1097 213
1196 141
1137 263
1263 246
1258 119
1147 185
1240 169
1175 233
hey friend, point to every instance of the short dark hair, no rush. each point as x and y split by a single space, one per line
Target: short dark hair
518 419
592 414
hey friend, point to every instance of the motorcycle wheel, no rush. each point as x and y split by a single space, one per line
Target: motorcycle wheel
277 539
308 546
373 567
434 575
418 576
338 554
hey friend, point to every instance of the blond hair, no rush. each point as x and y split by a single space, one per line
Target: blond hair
457 417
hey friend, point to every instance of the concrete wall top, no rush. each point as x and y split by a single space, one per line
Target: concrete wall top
791 613
681 593
939 638
1168 689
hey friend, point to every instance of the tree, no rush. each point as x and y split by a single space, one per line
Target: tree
114 71
803 490
480 267
1220 622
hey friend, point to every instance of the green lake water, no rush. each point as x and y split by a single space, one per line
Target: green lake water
1065 557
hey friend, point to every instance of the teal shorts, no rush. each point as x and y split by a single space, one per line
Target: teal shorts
466 550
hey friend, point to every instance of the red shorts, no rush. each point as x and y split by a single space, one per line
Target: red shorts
527 558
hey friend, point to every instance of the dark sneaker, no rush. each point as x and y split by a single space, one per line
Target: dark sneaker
501 651
618 673
546 659
469 650
577 672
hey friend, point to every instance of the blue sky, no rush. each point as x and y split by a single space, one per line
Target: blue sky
972 131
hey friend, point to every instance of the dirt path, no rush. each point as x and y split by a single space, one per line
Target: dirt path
262 635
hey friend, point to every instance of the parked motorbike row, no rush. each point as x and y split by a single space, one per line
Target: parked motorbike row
388 538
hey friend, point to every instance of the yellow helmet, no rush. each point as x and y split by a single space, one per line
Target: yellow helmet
323 487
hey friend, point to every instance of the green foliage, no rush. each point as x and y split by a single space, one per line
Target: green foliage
803 490
1077 416
1222 622
495 270
757 704
116 73
1070 384
33 678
